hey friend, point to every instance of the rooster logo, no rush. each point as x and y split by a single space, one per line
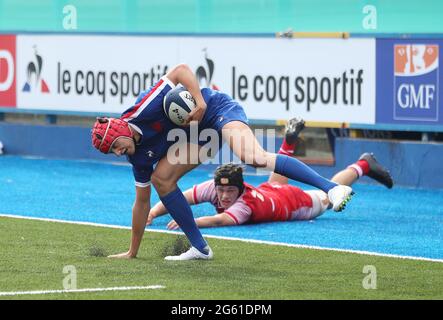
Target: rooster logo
33 75
204 75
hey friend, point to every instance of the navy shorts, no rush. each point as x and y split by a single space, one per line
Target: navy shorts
222 109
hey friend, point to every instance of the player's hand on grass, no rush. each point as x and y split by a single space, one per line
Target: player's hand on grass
124 255
172 225
196 114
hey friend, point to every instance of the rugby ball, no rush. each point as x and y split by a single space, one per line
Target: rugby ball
177 104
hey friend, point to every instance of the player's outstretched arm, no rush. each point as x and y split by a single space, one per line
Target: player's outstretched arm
181 73
218 220
140 212
160 210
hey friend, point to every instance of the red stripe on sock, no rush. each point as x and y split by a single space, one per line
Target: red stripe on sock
286 153
287 148
363 164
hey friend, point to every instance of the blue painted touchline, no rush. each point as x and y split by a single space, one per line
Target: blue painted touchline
400 221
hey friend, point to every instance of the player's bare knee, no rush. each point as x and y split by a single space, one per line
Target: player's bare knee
259 163
263 160
253 160
163 184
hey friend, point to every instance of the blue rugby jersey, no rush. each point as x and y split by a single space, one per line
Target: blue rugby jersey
148 118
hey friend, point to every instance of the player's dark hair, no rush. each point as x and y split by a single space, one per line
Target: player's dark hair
229 175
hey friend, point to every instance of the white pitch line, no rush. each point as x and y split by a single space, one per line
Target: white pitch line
38 292
272 243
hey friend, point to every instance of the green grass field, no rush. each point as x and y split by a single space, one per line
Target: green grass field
33 255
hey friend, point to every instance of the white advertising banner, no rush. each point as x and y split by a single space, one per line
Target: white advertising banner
273 79
88 73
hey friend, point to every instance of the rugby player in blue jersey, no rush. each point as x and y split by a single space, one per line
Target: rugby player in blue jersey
141 135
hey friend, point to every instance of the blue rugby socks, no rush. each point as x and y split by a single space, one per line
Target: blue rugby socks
296 170
177 206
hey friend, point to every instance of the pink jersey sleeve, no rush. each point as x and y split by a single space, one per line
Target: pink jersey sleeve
239 211
205 192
